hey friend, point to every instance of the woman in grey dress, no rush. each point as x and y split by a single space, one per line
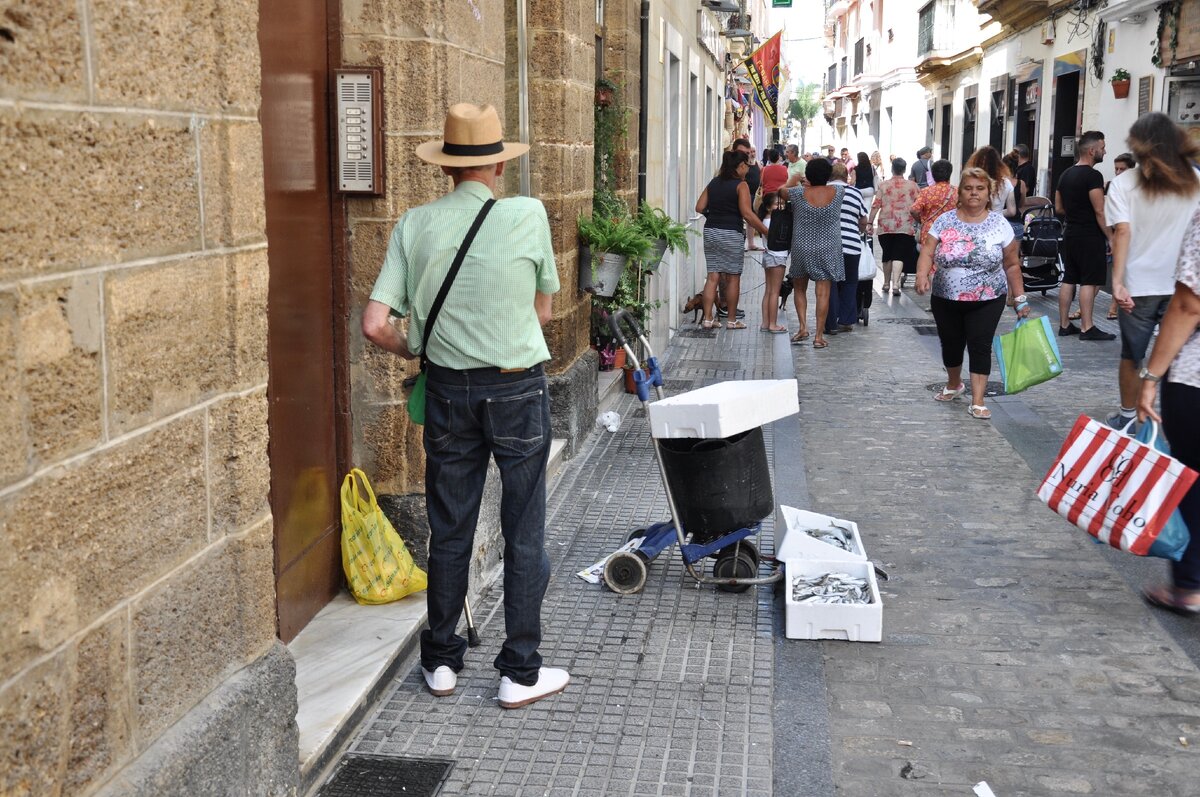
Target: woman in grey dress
816 244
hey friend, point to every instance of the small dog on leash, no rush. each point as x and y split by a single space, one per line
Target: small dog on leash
785 290
695 306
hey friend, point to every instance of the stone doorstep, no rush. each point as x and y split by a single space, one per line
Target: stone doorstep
347 656
610 386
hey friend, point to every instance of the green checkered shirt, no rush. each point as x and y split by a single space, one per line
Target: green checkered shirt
488 318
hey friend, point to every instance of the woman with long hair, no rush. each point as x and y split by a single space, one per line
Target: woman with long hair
1149 209
864 177
1176 357
977 268
877 167
725 202
774 176
816 244
891 208
1004 200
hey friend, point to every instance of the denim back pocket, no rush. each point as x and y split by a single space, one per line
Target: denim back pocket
517 423
439 428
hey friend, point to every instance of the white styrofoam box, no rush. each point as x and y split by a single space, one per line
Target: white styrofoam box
853 622
796 544
724 409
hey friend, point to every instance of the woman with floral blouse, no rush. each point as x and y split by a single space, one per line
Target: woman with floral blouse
891 219
939 198
975 253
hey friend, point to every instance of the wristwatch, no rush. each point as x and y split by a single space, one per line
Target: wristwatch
1146 375
1022 299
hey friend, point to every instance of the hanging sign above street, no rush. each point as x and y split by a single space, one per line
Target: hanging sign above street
781 3
708 34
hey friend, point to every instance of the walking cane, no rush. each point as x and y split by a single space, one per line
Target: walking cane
472 634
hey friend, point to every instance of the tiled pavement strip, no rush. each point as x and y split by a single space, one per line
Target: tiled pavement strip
1012 652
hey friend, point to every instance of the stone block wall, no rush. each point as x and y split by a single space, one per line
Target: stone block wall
435 54
623 66
136 564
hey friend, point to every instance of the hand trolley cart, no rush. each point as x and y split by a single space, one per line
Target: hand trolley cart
713 520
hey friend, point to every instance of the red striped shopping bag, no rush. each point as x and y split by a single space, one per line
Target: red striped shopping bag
1118 489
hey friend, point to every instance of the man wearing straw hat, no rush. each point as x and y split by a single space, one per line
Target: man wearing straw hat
486 392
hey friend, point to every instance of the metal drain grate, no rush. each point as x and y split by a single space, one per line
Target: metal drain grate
925 330
680 385
363 775
992 389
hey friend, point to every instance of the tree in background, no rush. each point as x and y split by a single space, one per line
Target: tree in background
803 108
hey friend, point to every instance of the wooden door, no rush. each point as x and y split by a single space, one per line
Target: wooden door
304 355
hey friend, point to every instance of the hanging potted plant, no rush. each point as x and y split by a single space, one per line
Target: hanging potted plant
609 243
664 233
1120 83
605 89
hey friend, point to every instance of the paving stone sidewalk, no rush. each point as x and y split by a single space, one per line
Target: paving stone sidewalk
671 689
1012 651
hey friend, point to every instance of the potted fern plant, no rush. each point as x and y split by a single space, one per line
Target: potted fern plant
664 233
610 241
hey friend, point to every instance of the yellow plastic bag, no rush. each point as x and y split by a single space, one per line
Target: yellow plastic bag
378 567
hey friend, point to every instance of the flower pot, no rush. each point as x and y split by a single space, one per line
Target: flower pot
654 259
1120 89
619 358
599 275
630 387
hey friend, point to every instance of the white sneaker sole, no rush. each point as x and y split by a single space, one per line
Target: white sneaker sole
527 701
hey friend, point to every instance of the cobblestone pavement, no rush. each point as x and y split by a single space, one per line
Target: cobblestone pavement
1012 652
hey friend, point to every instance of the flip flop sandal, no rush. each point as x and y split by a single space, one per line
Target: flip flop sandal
820 344
950 395
1167 598
980 412
1075 316
708 323
777 330
799 337
735 325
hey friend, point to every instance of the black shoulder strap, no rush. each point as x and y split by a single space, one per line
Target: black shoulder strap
449 280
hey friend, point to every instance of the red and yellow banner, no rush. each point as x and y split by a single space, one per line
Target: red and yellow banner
763 66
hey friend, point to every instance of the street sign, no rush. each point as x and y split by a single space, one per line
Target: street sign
781 3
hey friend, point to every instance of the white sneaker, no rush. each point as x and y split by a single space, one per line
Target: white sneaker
441 681
550 681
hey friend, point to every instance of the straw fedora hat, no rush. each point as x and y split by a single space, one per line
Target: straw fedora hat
472 136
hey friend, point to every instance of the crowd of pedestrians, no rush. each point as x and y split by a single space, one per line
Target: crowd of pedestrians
1139 234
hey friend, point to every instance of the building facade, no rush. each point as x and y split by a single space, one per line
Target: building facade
186 383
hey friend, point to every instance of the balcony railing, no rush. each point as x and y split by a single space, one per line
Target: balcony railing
858 57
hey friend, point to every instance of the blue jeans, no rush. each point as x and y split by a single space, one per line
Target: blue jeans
470 417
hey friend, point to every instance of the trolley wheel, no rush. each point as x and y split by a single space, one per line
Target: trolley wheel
746 547
625 573
741 565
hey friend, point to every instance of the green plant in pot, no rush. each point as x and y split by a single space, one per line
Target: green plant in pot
664 233
610 241
1120 83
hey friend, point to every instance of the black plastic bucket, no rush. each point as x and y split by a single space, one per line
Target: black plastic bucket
719 485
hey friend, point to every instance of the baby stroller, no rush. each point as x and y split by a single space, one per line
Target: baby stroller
1041 266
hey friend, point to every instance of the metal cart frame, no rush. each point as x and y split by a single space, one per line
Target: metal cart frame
625 571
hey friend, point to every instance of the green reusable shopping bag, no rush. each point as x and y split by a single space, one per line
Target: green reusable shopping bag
416 401
1028 355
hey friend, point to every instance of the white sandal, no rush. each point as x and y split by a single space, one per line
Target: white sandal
979 411
950 395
